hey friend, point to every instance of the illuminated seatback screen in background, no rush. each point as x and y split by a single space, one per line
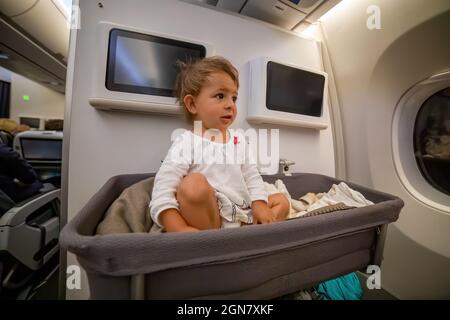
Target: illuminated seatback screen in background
41 149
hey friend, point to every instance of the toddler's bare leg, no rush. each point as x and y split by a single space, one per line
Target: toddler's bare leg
279 204
198 204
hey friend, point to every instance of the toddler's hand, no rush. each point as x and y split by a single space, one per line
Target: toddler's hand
262 213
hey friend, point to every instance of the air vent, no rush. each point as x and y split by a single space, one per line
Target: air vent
273 11
209 2
305 6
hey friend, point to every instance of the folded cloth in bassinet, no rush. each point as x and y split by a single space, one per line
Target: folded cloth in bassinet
339 197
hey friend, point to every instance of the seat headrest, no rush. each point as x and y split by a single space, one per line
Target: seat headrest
6 138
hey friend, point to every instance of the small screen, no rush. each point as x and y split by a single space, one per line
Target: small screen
31 122
140 63
41 149
293 90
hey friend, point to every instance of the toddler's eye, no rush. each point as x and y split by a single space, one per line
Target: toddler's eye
234 99
220 95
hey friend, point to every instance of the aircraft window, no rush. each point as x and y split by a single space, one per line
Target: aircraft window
432 140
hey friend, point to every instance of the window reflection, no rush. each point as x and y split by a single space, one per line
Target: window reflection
432 140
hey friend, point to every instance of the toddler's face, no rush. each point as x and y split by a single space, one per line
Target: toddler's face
216 103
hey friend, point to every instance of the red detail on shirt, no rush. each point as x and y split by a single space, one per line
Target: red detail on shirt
235 140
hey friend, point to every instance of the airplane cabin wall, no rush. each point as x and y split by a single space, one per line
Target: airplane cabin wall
372 69
104 144
43 103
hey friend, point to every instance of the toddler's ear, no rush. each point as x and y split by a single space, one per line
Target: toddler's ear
190 103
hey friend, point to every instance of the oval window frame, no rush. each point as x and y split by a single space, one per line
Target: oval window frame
403 126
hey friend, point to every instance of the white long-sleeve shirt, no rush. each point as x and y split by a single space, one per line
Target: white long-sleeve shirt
239 180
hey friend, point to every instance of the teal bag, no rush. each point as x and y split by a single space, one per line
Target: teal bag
345 287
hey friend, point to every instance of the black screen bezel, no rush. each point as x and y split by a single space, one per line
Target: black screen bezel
111 61
280 108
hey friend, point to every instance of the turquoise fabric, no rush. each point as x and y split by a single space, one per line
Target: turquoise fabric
345 287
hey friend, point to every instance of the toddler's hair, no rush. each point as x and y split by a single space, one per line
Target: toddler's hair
194 74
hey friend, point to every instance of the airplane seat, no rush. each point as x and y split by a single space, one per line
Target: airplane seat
29 243
6 138
29 240
43 151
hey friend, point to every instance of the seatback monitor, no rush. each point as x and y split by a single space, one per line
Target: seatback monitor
146 64
294 90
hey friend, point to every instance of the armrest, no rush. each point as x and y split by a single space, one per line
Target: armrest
47 187
21 211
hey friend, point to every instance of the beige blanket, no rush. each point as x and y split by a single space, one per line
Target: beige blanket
130 211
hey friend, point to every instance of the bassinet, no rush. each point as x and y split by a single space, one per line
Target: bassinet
253 262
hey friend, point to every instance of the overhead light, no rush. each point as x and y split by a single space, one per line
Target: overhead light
52 83
311 32
333 10
308 30
4 56
64 6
